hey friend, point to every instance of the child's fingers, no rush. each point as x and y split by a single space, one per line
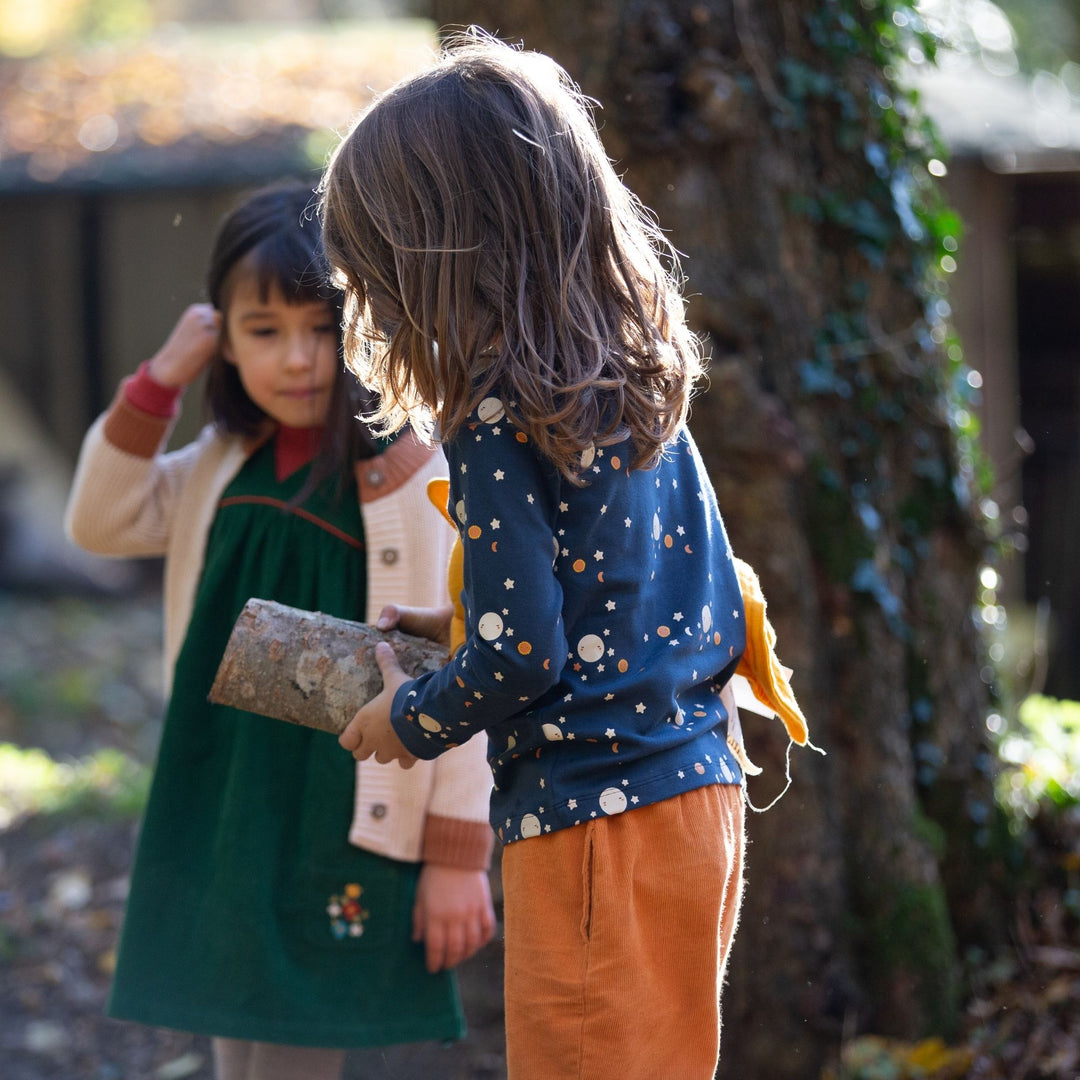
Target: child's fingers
387 660
455 944
389 617
351 737
435 945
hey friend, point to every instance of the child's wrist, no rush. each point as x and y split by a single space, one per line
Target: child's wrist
147 393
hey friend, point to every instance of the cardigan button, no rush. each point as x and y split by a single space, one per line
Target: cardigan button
378 810
375 478
389 556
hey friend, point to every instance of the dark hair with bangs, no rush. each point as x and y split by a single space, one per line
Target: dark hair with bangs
275 235
484 241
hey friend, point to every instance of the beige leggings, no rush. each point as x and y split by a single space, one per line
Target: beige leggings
238 1059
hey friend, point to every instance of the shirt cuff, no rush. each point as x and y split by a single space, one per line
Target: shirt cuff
465 845
144 392
411 735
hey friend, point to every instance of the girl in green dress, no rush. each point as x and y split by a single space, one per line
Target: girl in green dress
283 900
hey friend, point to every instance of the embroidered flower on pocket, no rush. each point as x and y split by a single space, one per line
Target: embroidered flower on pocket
346 915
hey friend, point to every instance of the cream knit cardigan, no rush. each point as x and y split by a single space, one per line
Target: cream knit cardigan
129 498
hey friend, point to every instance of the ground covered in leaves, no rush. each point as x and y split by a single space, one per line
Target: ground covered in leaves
79 701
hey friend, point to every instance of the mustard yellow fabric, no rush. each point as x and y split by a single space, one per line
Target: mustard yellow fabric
759 664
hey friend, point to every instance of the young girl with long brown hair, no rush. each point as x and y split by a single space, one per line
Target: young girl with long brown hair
505 290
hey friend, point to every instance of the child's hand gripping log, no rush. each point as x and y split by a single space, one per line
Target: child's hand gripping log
370 733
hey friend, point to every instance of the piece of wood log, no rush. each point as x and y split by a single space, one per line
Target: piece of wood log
309 668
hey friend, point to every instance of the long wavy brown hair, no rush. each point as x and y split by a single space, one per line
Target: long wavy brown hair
486 245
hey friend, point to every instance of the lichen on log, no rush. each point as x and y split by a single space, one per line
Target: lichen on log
309 668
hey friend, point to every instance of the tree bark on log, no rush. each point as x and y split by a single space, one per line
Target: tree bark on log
309 668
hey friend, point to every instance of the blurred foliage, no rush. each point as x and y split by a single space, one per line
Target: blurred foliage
1047 34
1041 757
106 783
1008 36
874 1058
29 26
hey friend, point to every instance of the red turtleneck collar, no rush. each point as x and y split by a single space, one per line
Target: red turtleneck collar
294 448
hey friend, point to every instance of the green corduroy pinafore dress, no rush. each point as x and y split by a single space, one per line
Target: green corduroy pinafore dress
250 915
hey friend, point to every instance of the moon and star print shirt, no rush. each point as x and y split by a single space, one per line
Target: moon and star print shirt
602 622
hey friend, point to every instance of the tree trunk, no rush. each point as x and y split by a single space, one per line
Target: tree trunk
765 138
309 668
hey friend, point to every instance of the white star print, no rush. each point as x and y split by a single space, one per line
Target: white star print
627 523
498 676
508 583
495 523
529 499
677 616
598 556
563 508
639 707
610 733
571 804
498 474
609 697
610 605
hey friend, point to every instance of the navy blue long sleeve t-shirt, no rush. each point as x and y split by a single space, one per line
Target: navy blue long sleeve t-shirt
602 621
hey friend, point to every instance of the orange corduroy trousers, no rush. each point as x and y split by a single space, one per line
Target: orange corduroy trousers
617 935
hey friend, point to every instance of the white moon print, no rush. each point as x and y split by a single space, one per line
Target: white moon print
490 410
530 826
656 526
429 723
552 732
588 455
459 509
590 648
612 801
490 625
706 619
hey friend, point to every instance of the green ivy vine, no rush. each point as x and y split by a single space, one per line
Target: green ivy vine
899 224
